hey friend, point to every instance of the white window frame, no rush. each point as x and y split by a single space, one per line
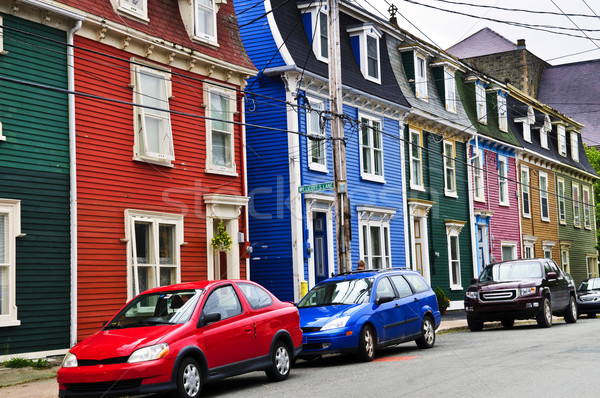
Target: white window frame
316 106
230 97
512 246
449 168
526 191
450 89
364 31
547 127
565 261
586 199
575 146
416 157
503 181
527 121
562 209
478 180
591 262
379 218
562 140
529 246
576 207
421 77
165 153
10 210
139 10
543 180
317 10
453 229
155 219
210 10
481 102
371 148
502 114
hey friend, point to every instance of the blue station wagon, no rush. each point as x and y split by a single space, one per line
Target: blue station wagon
361 311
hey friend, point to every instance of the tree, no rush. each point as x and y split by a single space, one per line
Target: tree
594 157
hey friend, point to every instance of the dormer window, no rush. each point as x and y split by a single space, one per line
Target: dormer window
544 132
480 102
135 8
562 140
314 17
502 117
575 146
527 122
450 89
365 43
205 24
420 76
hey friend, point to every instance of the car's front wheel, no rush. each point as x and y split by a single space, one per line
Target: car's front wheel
282 363
544 317
427 339
189 380
474 326
366 344
571 311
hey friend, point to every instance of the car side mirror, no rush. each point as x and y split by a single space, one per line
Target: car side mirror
552 275
384 299
211 317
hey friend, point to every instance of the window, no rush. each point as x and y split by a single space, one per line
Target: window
529 246
527 122
401 285
544 132
478 176
152 120
560 188
420 77
503 181
525 198
586 207
317 154
544 207
365 43
323 35
219 131
564 260
453 229
371 149
502 117
135 8
562 140
575 146
154 240
576 215
257 296
480 101
449 169
223 300
592 266
417 282
10 229
450 90
416 160
205 26
374 227
314 17
509 251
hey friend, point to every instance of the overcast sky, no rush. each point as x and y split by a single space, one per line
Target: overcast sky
446 28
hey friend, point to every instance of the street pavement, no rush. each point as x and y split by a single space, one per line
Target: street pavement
22 387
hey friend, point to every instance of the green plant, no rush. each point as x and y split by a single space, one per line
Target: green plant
442 299
221 241
41 364
17 362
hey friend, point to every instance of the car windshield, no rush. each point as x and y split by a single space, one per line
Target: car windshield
511 271
592 284
161 308
351 291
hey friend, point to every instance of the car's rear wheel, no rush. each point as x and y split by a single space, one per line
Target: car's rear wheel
427 339
282 363
571 311
474 326
366 344
544 317
189 379
508 323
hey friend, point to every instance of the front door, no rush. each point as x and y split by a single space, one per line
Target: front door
482 251
320 249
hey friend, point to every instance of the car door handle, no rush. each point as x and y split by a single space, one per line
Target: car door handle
416 300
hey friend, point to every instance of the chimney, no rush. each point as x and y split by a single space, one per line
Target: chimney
520 44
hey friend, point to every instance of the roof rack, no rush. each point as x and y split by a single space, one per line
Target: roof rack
358 271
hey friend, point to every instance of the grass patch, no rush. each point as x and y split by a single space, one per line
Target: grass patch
17 362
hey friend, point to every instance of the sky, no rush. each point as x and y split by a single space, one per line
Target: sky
446 28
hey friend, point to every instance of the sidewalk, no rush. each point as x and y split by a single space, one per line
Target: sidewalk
32 383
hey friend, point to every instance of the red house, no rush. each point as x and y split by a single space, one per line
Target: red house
160 159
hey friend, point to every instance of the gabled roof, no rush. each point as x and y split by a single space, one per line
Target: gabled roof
484 42
574 89
164 21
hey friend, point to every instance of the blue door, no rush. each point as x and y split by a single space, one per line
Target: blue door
320 249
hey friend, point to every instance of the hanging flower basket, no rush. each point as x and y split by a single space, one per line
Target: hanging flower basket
221 242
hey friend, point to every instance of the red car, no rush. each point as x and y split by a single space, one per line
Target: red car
175 338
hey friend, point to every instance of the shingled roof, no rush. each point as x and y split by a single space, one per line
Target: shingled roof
484 42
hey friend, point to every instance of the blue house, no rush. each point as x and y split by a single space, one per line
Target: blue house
293 234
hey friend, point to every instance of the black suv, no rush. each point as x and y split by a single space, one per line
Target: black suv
521 289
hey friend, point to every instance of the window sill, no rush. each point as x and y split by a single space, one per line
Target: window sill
480 200
577 226
133 14
545 220
158 162
227 172
318 167
527 216
456 288
451 195
373 178
211 41
14 322
417 188
504 204
562 222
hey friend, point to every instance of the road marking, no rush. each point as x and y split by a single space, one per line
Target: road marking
394 359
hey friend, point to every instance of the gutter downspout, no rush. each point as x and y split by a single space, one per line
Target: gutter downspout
73 178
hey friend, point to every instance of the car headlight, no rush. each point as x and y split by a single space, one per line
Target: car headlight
69 361
524 291
336 323
149 353
472 295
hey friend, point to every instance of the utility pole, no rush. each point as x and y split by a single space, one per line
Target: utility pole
342 202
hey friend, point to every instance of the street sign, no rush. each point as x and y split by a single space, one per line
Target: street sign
315 187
